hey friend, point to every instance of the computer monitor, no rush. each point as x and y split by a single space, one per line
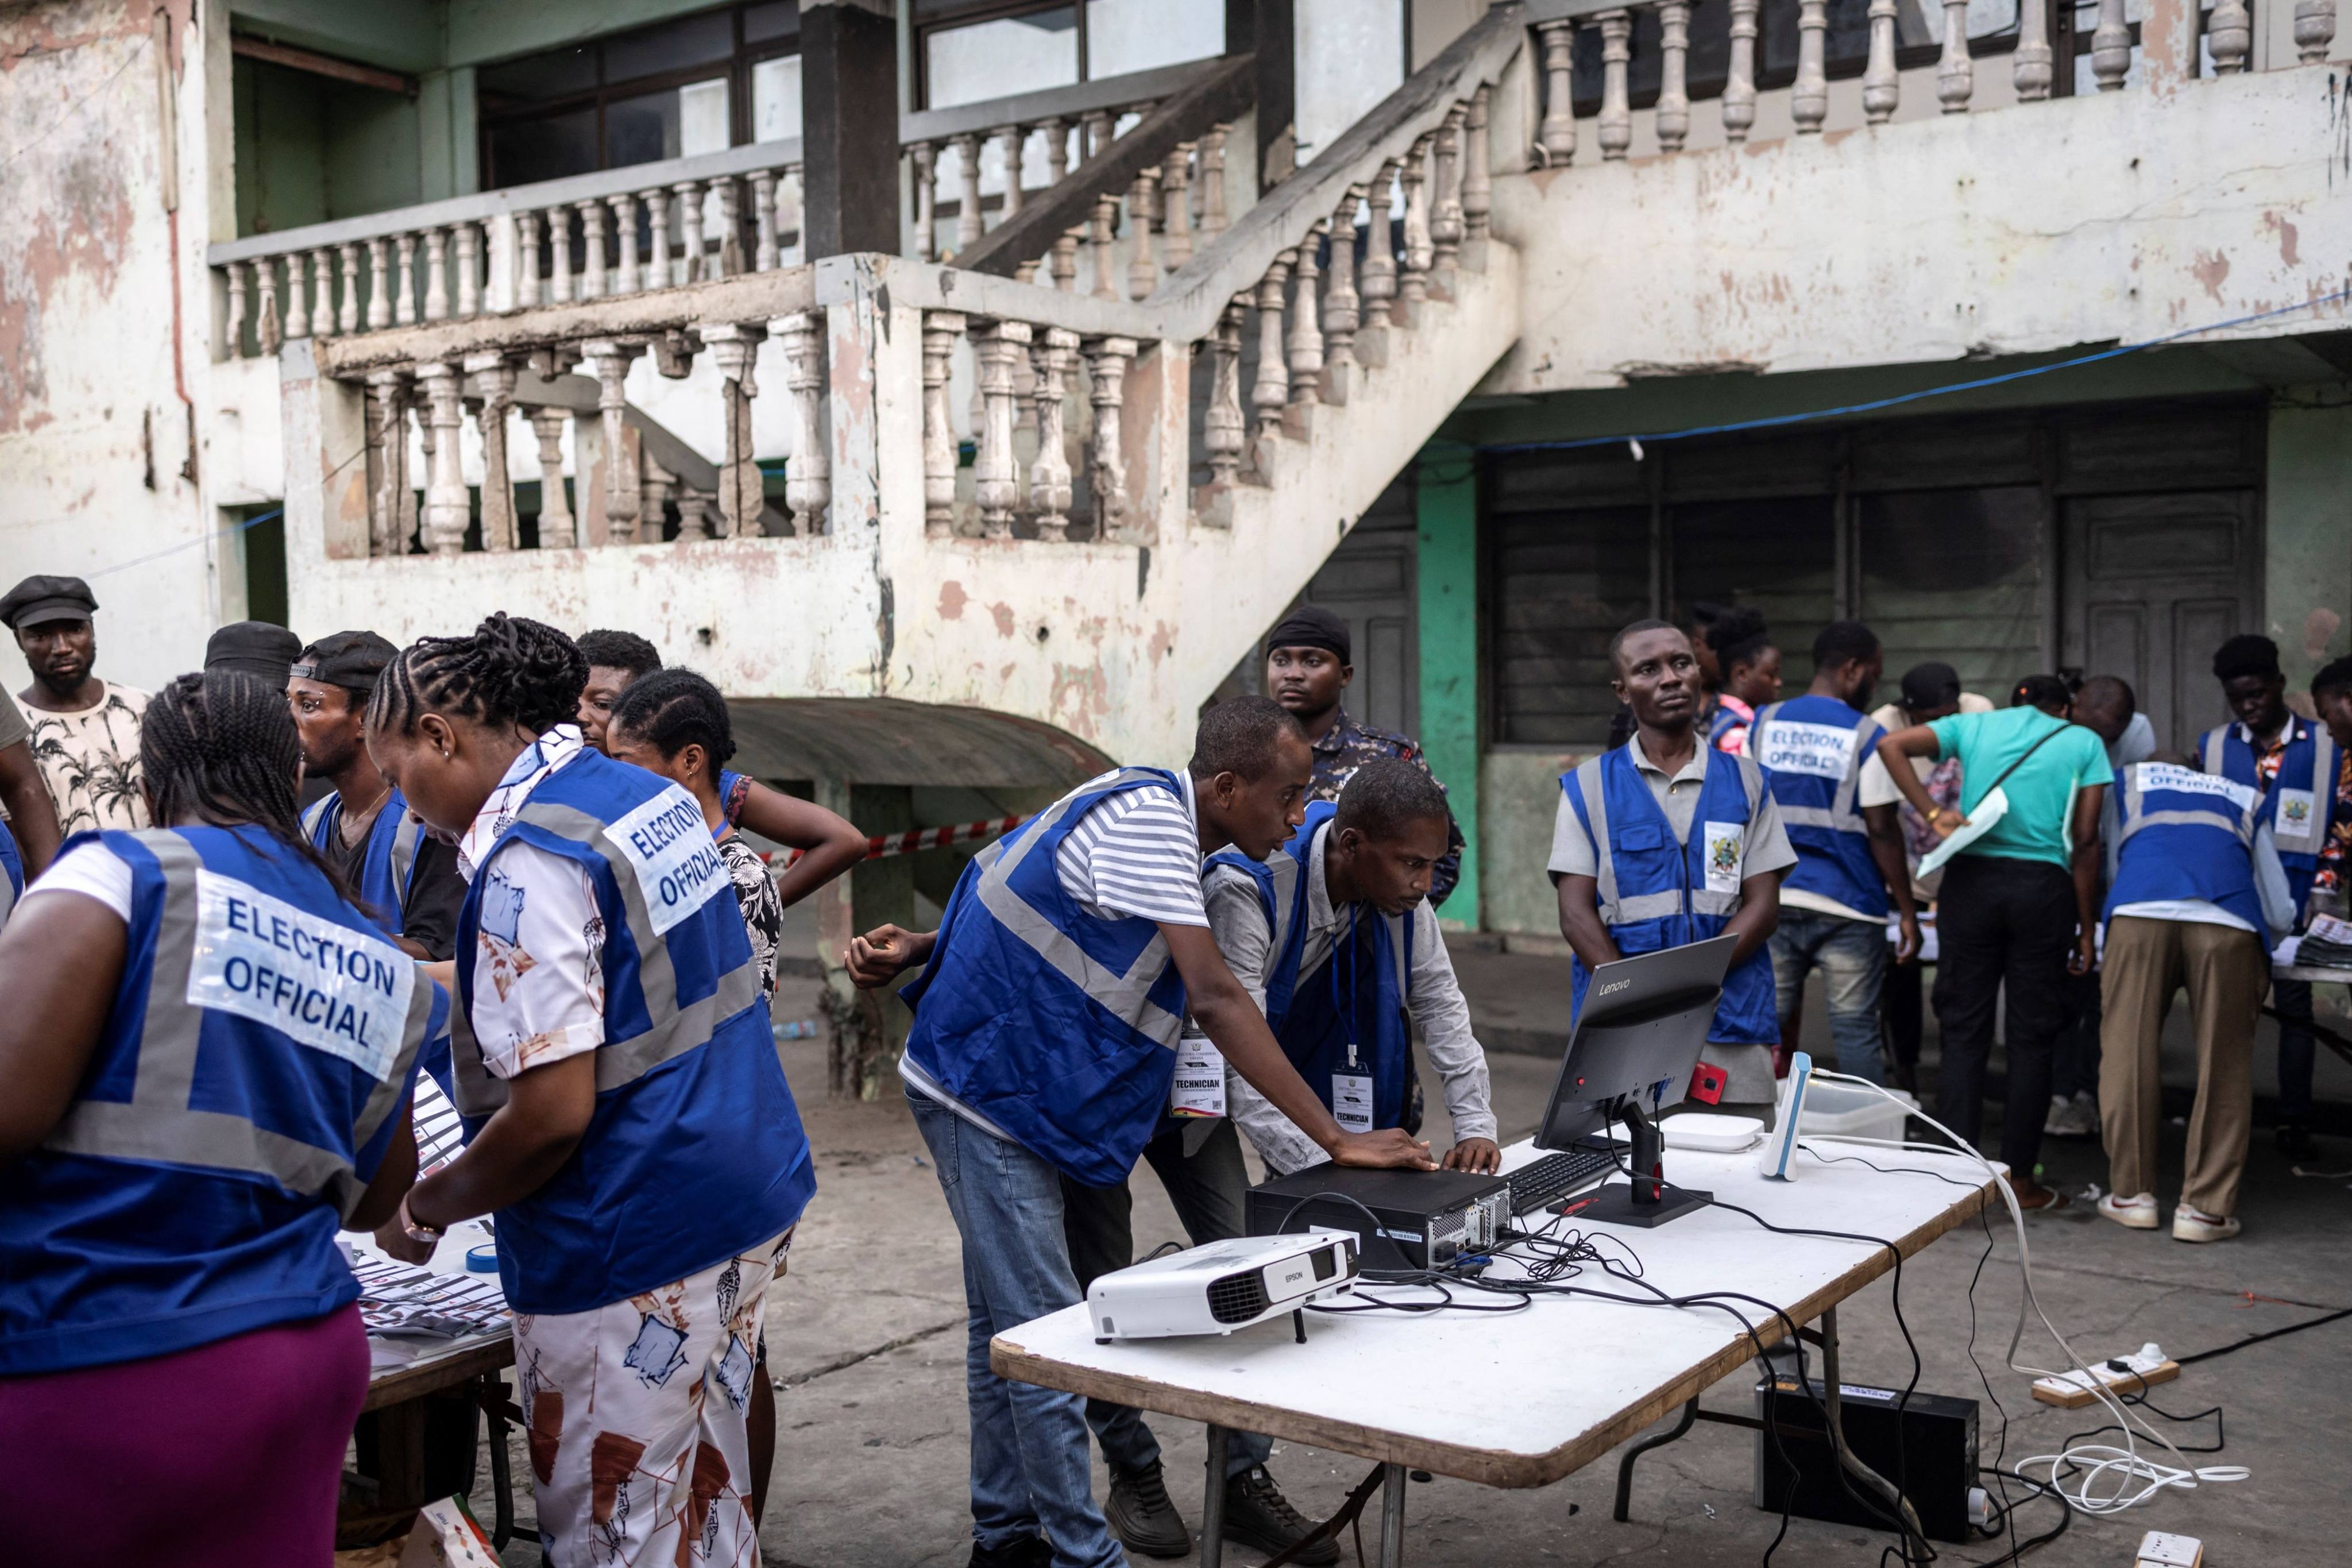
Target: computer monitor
1630 1055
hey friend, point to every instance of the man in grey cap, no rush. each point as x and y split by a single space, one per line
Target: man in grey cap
84 731
258 648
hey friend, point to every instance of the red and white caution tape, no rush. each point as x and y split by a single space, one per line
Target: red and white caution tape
883 845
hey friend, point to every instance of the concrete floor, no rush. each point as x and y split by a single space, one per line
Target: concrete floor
865 1338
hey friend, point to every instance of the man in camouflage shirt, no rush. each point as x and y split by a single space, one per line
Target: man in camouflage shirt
1307 668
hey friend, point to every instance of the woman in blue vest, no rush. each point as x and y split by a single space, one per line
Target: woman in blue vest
1666 841
2197 898
2291 763
628 1121
209 1052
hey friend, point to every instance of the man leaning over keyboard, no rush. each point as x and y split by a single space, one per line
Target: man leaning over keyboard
1334 936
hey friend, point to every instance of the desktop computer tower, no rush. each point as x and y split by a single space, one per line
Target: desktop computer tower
1935 1462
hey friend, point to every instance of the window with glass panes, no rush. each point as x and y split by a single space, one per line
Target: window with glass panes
694 84
968 51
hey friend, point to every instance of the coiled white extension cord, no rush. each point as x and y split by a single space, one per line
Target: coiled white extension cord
2111 1478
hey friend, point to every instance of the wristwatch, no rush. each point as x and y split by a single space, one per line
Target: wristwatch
408 1224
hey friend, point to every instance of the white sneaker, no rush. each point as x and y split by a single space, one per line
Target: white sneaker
2137 1213
2195 1224
2075 1118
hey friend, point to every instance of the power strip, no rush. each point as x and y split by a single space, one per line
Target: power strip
2133 1374
2157 1550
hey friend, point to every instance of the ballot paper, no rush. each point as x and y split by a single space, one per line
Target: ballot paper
439 1133
395 1299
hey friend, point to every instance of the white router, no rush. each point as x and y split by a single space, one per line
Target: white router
1223 1286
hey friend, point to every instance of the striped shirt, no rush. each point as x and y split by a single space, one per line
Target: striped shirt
1137 853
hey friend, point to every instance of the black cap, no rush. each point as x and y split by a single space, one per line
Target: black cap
1931 685
43 598
1311 626
349 659
254 648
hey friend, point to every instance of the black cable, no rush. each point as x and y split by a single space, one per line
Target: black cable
1870 1503
2258 1339
2140 1400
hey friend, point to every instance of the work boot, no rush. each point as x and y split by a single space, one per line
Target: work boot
1140 1514
2296 1142
1029 1552
1258 1516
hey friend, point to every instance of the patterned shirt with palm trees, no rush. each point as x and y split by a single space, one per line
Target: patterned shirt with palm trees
89 759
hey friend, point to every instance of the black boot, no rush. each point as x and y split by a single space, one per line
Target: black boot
1258 1515
1140 1514
1030 1551
2296 1142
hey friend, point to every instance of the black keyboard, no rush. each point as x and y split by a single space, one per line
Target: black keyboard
1555 1176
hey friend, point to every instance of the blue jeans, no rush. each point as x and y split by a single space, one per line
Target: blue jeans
1852 956
1031 1471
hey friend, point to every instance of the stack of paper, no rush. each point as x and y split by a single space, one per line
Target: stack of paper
395 1299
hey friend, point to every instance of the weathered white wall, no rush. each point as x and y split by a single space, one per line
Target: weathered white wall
104 315
1132 640
2117 215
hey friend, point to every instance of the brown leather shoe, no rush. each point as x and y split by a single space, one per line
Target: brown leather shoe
2036 1198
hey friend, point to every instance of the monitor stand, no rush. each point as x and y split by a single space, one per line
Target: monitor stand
1647 1201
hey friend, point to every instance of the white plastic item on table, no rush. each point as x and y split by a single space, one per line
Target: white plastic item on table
1715 1135
1837 1111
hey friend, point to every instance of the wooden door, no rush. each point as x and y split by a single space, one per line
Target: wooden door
2154 584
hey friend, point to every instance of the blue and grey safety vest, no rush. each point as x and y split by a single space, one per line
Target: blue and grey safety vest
1347 1015
240 1099
1811 750
2299 804
12 874
387 861
1058 1026
695 1152
2186 835
1654 893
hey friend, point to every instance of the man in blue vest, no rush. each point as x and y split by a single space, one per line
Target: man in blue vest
1820 755
2291 763
1666 841
408 879
2197 898
1046 1019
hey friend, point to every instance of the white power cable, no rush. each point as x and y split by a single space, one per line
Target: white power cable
2127 1477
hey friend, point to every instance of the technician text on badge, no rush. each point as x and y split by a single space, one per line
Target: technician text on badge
677 865
1198 1086
1351 1101
1820 750
332 988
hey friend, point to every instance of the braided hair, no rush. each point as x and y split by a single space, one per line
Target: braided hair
219 748
510 671
671 710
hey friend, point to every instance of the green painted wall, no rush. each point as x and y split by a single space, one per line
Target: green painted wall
398 34
480 31
1450 666
2307 558
310 150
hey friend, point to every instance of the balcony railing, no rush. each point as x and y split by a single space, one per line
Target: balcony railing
1567 30
651 226
1284 315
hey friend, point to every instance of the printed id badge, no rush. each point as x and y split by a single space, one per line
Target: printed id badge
1199 1086
1723 855
1351 1099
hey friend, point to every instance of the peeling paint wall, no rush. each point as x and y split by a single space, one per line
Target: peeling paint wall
2119 216
1085 636
102 327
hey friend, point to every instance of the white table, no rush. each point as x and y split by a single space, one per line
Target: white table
1523 1399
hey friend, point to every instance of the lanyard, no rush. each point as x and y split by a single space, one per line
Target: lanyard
1348 1007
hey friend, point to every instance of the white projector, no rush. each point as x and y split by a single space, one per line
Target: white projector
1223 1286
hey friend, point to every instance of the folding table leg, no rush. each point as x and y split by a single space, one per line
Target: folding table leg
1213 1502
1832 1405
1625 1465
502 1468
1391 1517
